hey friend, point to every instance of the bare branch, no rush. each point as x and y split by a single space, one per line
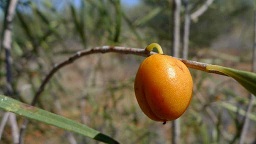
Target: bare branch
7 30
176 28
15 128
6 45
3 123
194 16
84 118
70 138
186 30
23 130
246 120
108 49
79 54
69 135
7 41
176 131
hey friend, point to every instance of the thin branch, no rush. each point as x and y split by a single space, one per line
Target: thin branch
70 138
194 16
103 49
108 49
6 45
176 53
7 30
23 130
186 30
7 41
15 128
176 28
84 117
69 135
246 120
70 60
3 123
176 131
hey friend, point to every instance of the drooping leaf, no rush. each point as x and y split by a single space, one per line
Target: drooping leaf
245 78
11 105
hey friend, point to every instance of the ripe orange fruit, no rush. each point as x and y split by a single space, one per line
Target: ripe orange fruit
163 87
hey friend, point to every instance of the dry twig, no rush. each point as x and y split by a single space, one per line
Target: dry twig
194 16
108 49
6 45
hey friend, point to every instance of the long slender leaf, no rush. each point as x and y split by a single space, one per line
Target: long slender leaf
52 29
117 5
131 26
78 25
148 17
11 105
25 26
245 78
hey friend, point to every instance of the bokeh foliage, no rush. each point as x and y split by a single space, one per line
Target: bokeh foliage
46 32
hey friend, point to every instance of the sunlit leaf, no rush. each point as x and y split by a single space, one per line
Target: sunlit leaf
11 105
245 78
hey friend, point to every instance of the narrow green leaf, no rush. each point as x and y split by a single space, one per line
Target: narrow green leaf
131 26
52 28
79 28
245 78
118 21
11 105
148 17
42 17
25 26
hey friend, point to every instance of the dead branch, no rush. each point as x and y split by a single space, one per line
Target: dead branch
194 16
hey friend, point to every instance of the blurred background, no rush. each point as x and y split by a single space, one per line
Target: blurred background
97 90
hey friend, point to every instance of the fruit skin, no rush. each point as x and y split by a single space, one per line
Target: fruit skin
163 87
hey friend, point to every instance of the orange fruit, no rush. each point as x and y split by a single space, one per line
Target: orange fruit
163 87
